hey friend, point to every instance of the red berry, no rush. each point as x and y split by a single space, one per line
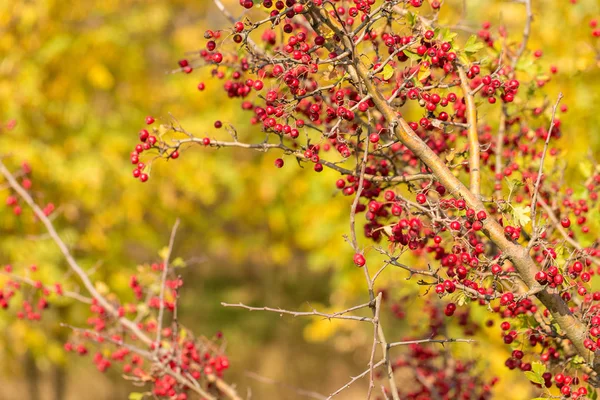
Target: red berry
149 120
144 134
374 137
541 277
450 308
359 260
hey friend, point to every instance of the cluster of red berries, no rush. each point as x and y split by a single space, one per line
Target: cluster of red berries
198 357
37 301
459 381
13 201
594 26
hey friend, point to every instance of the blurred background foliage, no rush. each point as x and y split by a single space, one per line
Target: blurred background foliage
79 77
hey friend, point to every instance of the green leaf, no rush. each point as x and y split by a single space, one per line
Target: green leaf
526 321
411 18
521 215
446 35
538 368
525 64
473 45
577 360
533 377
412 55
592 393
388 72
514 184
136 396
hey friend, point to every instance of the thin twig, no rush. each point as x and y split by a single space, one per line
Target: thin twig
540 170
440 341
526 33
336 315
163 281
354 379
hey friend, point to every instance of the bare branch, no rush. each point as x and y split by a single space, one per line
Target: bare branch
440 341
163 281
336 315
540 171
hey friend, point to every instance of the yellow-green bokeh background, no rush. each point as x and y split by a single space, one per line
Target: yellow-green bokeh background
80 76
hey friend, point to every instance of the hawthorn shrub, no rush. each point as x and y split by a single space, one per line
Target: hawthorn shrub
444 143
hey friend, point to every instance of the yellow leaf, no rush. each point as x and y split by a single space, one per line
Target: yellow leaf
423 73
100 77
450 155
102 288
163 253
388 72
521 215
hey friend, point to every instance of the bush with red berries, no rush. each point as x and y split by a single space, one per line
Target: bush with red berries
441 156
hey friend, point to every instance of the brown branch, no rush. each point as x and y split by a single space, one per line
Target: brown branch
473 135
